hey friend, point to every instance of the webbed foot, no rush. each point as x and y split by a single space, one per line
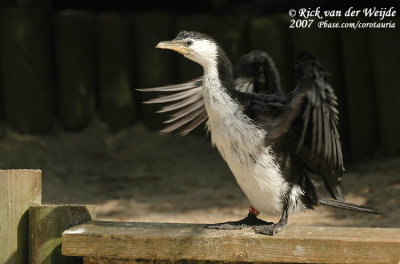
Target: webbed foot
250 221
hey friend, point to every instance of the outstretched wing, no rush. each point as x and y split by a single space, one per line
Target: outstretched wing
307 124
255 73
184 103
319 145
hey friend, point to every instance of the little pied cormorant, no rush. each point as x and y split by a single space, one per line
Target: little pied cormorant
271 141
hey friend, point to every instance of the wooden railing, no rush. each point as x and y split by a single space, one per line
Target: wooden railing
64 234
126 242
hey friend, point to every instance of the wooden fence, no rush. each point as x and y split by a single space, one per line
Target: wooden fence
65 234
66 66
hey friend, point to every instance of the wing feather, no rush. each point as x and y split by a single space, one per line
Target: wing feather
184 103
319 143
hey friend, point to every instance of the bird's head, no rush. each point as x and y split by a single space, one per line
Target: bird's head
195 46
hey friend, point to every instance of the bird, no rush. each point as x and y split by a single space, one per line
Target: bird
272 141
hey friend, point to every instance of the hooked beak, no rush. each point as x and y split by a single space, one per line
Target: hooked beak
173 45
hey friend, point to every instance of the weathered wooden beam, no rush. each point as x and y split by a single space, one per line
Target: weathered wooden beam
161 241
91 260
46 224
18 190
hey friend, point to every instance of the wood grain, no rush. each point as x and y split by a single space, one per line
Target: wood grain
18 190
46 224
161 241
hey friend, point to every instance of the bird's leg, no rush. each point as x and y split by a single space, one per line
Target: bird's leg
274 228
250 220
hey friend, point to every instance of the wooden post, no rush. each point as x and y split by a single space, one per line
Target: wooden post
115 67
360 93
18 190
27 68
386 64
272 35
47 222
75 67
123 242
153 67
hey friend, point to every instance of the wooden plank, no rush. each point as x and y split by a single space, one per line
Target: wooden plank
115 68
27 69
47 223
75 67
91 260
386 64
359 89
153 67
18 190
161 241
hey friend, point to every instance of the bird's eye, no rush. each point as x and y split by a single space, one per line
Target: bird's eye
189 42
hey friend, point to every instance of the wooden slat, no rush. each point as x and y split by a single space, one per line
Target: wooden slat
92 260
386 64
18 190
46 224
161 241
153 67
26 69
360 94
272 34
115 68
75 67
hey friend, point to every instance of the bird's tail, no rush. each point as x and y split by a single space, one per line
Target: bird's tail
347 206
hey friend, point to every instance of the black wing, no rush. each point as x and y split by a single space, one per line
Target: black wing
319 145
308 124
257 70
255 73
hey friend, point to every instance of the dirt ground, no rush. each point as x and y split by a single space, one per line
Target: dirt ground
138 175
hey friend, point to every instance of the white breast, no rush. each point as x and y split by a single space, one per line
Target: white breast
240 143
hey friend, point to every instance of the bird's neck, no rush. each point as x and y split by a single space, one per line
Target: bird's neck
220 71
217 89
